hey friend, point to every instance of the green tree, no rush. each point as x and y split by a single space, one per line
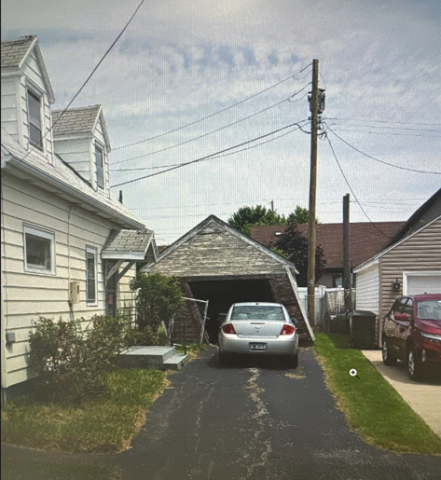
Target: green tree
158 298
295 245
299 215
245 217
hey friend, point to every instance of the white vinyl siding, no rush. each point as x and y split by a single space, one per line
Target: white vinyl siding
368 289
76 153
27 295
9 106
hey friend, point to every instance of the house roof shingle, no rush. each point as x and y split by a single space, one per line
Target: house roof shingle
13 51
75 120
127 244
365 239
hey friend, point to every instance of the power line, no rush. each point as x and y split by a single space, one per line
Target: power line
219 156
212 131
376 159
213 114
212 155
351 189
384 121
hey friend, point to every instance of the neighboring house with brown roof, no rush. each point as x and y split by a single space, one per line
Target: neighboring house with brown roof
365 240
63 234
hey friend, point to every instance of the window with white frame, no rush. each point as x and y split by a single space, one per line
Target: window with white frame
39 250
34 119
99 162
91 275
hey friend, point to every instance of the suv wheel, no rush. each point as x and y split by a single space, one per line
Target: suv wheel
388 359
414 364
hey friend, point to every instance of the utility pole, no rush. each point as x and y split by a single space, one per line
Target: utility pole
314 104
346 256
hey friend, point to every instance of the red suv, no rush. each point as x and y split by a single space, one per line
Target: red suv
412 333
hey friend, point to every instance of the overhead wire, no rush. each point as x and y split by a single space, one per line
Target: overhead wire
212 131
212 114
350 188
213 155
377 159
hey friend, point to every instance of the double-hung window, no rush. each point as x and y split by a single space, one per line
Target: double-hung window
91 275
39 246
34 119
99 162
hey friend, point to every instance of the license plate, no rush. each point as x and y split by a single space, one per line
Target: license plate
257 346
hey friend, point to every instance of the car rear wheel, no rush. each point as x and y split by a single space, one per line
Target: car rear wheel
388 359
223 358
293 362
414 364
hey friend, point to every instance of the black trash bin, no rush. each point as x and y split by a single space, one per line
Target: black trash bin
339 323
362 329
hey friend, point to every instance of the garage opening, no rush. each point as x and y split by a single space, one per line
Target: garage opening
221 294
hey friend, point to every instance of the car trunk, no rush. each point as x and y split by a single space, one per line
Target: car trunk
257 328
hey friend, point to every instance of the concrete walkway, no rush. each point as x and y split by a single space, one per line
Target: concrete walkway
423 397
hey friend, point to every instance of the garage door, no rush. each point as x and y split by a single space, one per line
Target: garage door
418 283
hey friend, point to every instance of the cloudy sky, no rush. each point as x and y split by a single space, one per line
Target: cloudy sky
189 79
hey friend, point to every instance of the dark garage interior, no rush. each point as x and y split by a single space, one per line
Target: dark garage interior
221 294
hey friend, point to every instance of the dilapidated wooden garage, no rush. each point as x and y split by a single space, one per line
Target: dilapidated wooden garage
217 263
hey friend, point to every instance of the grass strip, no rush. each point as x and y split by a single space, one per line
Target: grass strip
105 426
21 468
373 408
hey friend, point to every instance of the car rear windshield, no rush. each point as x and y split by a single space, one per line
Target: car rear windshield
257 312
429 310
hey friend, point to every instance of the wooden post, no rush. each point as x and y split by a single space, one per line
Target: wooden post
346 256
312 194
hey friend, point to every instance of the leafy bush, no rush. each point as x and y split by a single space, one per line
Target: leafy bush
158 298
148 337
70 361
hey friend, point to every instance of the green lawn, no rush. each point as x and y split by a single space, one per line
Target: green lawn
373 408
105 426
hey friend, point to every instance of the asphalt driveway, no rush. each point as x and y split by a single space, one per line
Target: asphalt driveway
253 420
256 420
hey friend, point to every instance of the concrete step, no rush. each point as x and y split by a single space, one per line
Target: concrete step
176 362
142 357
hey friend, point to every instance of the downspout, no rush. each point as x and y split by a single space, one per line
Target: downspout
71 314
4 312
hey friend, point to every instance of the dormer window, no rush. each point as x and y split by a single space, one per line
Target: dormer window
99 162
34 118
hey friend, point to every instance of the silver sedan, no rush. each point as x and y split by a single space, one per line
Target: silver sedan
258 328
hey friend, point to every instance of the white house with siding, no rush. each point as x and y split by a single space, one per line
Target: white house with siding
59 221
409 267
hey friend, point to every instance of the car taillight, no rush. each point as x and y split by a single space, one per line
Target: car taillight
287 330
229 329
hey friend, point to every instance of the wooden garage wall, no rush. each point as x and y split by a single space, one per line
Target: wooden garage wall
420 252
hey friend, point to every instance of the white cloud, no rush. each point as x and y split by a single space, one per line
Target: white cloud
183 60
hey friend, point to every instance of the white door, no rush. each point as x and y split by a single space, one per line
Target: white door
416 283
